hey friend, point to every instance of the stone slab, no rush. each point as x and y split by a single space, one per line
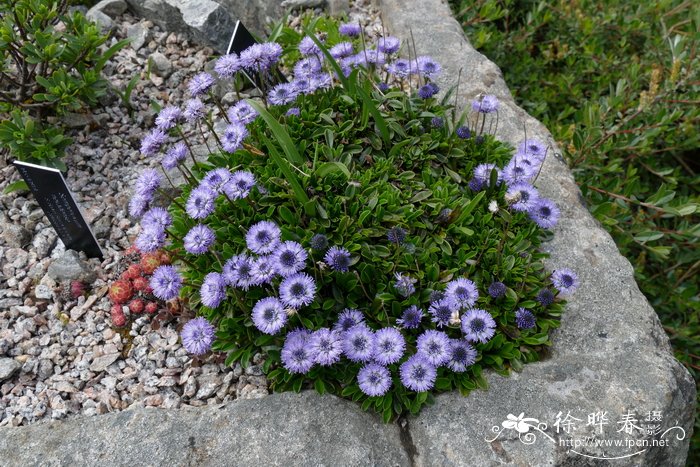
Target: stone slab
610 354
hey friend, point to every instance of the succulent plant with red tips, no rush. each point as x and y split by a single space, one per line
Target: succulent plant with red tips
141 284
149 262
151 307
136 306
133 271
117 314
120 291
77 289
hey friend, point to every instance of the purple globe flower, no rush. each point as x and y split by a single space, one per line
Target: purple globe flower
198 240
263 237
524 319
410 318
151 143
347 319
350 29
168 117
290 258
533 148
326 346
388 44
565 281
482 172
298 290
497 289
216 179
138 204
302 85
307 46
518 172
374 379
544 213
478 325
442 311
307 67
260 57
239 185
166 282
269 315
200 203
545 297
396 235
156 217
375 57
213 290
147 183
341 50
338 258
463 292
487 104
293 112
283 93
319 242
234 134
194 111
404 285
418 374
197 336
437 122
238 272
389 346
463 132
200 84
428 67
263 270
436 296
358 343
522 196
462 355
320 81
150 239
174 156
427 91
296 354
227 65
434 346
242 112
400 68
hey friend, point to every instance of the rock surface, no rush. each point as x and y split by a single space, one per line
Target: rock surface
610 354
285 429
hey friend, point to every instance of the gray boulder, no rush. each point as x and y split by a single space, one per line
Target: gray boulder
610 354
111 8
101 19
69 266
139 34
8 367
15 236
284 429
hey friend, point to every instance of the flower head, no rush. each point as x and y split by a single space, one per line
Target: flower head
478 325
358 343
524 319
260 57
396 235
374 379
522 196
410 318
227 65
389 346
239 185
150 239
338 258
198 240
463 292
482 172
388 44
166 282
518 171
533 148
238 271
434 346
545 297
242 112
307 46
566 281
263 237
197 336
213 290
269 315
442 311
200 84
298 290
168 117
296 354
341 50
194 110
428 67
283 93
234 134
319 242
462 355
138 204
404 285
151 143
350 29
147 183
216 179
290 258
544 213
463 132
400 68
174 156
347 319
497 289
487 104
156 217
263 270
428 90
417 373
326 346
307 67
200 203
437 122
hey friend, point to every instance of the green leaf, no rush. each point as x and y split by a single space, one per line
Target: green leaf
280 133
332 167
648 236
283 164
19 185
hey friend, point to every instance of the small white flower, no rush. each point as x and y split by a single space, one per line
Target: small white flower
290 311
493 206
454 319
512 198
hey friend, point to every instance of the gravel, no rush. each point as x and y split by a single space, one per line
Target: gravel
60 357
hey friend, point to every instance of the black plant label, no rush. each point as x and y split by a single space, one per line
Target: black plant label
241 39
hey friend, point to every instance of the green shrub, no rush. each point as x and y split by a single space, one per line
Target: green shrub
618 84
385 176
50 65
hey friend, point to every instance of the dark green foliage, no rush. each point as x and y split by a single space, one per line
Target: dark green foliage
618 84
50 65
